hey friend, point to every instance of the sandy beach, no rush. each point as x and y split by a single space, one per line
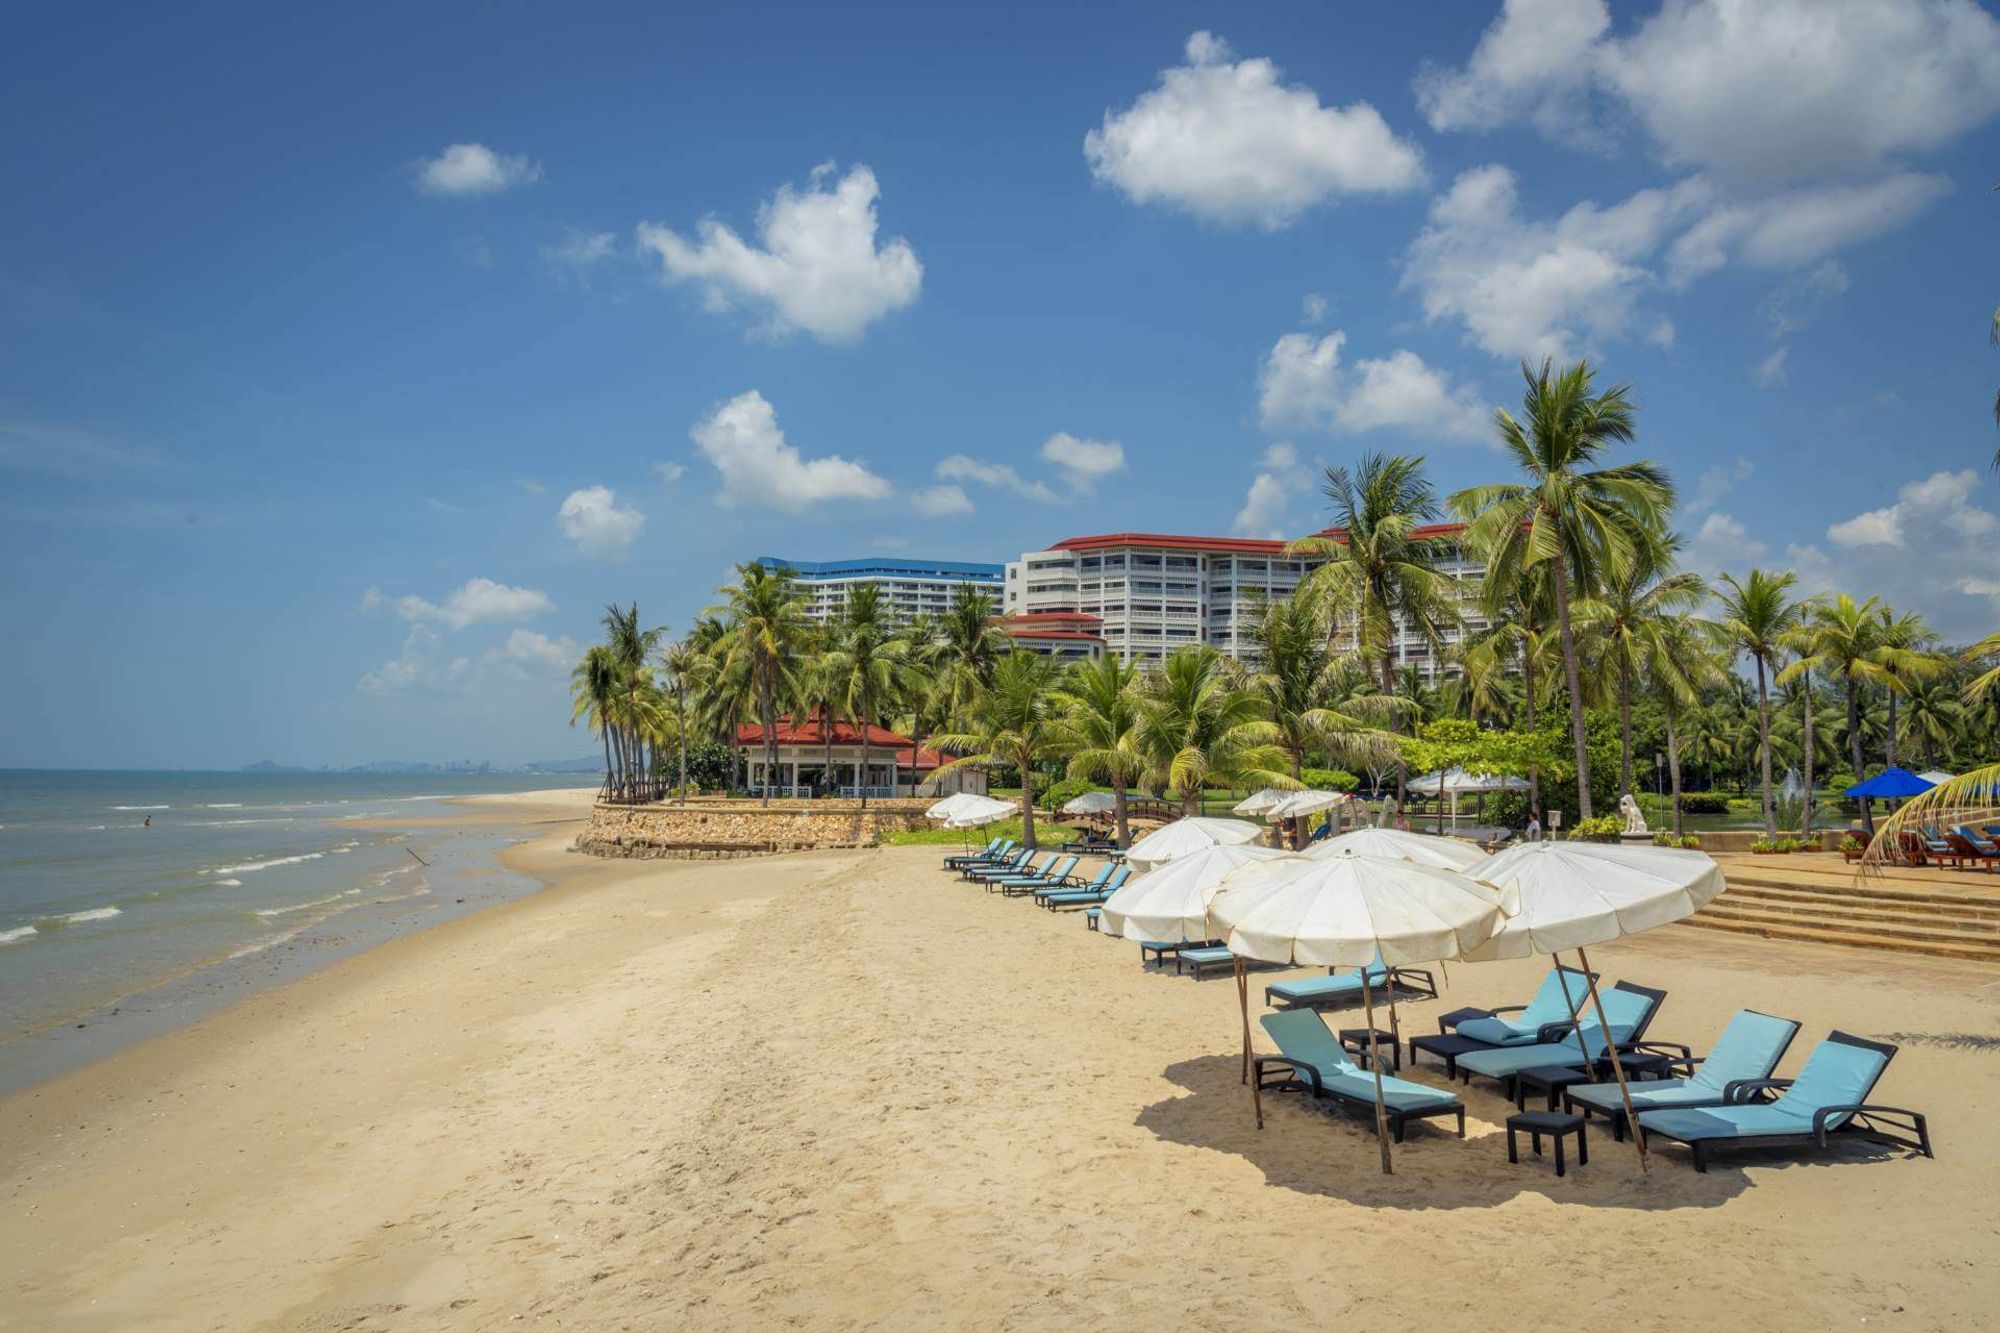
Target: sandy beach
842 1089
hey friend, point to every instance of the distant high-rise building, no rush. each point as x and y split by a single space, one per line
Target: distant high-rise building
909 586
1154 593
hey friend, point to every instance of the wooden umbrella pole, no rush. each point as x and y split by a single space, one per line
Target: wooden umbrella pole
1375 1064
1576 1009
1617 1065
1243 999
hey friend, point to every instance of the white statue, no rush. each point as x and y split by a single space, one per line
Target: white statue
1635 823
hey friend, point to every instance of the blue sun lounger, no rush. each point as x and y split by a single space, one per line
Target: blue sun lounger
1103 874
984 856
1204 960
1017 864
1094 892
1544 1018
1312 1061
1828 1098
1628 1008
1339 988
1048 877
1749 1048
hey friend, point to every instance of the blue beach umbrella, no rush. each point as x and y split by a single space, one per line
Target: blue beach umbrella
1891 784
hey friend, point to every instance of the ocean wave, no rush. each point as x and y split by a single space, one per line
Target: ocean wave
248 866
18 933
300 907
232 823
224 805
78 918
141 807
230 883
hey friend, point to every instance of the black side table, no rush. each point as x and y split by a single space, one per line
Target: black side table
1552 1123
1549 1080
1355 1042
1638 1064
1447 1022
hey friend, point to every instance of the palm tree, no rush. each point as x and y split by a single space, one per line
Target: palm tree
1679 664
1384 572
1906 644
1627 620
1199 725
869 655
1799 641
631 648
1012 722
681 664
1844 639
1988 682
1933 718
969 647
1756 616
1589 525
766 615
593 690
1520 610
1099 728
1290 671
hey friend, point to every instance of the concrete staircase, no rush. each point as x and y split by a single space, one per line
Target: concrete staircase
1831 908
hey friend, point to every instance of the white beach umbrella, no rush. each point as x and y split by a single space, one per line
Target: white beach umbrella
1425 849
1171 902
979 810
1457 781
1570 895
1259 802
946 808
1937 777
1299 804
1090 803
1350 909
1184 836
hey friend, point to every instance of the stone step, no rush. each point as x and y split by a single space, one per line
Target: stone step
1857 914
1845 893
1853 939
1969 912
1885 930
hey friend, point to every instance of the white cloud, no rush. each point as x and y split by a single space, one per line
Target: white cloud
1933 550
1875 527
1226 141
472 168
670 474
1083 462
1722 544
480 601
573 258
1770 372
1313 308
1267 506
421 664
1757 93
1715 483
1799 227
1527 288
539 652
1302 384
371 600
960 467
592 519
940 501
816 268
1939 506
1535 63
760 470
1792 305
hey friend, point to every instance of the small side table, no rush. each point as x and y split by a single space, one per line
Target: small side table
1355 1041
1447 1022
1549 1080
1638 1064
1556 1125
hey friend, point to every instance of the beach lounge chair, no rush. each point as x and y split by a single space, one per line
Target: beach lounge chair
1200 961
1749 1048
1628 1008
1013 863
1340 988
1159 951
1939 848
1546 1017
1061 899
997 847
1311 1060
1972 845
1103 874
1049 876
1828 1098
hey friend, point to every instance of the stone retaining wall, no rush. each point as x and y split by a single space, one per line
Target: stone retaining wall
713 828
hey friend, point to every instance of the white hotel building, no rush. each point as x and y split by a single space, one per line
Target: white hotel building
908 586
1155 593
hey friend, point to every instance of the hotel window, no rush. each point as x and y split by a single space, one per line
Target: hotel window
1251 566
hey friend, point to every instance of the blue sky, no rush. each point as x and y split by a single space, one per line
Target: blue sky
349 362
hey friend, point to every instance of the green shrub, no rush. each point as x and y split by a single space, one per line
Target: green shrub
1667 838
1059 794
1602 828
1850 843
1704 803
1329 779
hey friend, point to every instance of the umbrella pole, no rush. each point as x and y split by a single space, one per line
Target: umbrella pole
1375 1064
1617 1066
1575 1006
1243 999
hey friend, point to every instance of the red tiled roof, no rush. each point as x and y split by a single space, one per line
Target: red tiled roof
1027 620
810 732
1234 545
1055 634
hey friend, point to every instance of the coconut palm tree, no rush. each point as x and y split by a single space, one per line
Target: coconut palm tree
970 645
1907 643
1756 617
1625 622
1289 671
1987 683
766 629
1589 525
1844 637
869 657
1200 726
1099 729
631 648
1679 662
1933 718
593 691
1012 722
681 669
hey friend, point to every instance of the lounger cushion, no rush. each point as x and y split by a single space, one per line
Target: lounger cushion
1626 1010
1749 1047
1550 1005
1836 1074
1318 988
1303 1038
1204 956
1651 1095
1726 1122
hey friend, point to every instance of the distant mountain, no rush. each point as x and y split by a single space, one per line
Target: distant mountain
403 766
267 766
590 763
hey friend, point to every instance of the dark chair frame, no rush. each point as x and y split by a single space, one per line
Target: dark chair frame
1682 1063
1567 1030
1278 1073
1417 981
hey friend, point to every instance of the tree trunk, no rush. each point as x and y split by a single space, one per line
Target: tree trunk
861 778
604 733
680 712
1854 748
770 720
1674 767
1027 803
1806 819
1118 813
1764 748
826 745
1389 691
1625 728
1534 770
1575 682
1889 748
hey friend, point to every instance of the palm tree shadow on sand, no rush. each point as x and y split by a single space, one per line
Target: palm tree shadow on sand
1316 1148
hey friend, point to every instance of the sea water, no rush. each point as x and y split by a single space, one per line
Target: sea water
129 901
